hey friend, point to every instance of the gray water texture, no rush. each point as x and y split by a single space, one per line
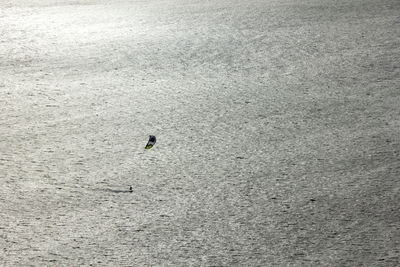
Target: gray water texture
277 127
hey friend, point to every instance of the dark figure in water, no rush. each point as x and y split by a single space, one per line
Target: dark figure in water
130 189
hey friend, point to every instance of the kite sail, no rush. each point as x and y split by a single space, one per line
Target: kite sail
152 141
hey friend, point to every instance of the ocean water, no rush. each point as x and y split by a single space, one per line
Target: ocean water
277 127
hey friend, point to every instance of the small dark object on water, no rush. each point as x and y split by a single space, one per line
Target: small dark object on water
130 189
151 142
312 200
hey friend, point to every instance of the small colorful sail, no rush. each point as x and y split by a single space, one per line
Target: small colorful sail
151 142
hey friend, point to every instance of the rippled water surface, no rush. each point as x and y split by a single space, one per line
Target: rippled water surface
277 127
